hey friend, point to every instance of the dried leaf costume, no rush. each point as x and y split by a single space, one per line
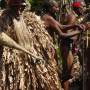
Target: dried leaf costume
21 70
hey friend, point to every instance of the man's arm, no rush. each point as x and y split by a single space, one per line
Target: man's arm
68 27
54 24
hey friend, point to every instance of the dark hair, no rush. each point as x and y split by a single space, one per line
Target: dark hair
78 10
75 8
47 4
2 4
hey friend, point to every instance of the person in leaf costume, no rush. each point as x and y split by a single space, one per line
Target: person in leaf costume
27 53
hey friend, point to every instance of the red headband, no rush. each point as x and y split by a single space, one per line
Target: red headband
76 4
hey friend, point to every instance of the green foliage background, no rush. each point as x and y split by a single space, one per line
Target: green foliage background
35 4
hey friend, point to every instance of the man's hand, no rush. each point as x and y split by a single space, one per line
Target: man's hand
87 25
81 27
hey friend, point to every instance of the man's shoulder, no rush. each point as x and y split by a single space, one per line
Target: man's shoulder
47 17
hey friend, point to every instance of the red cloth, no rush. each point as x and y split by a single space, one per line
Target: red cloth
76 4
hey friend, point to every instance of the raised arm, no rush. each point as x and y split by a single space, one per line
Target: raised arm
52 23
